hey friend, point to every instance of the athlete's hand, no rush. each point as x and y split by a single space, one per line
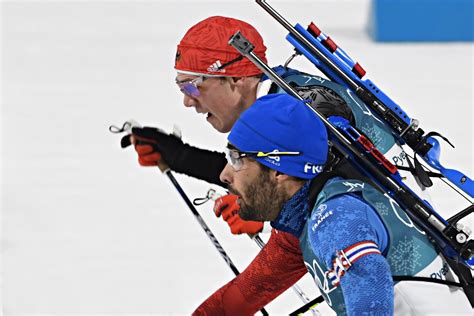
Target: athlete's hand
228 207
153 145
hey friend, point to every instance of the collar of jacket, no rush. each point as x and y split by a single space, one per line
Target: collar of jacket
294 213
296 210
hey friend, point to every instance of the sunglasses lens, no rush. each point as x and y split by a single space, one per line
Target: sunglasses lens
189 89
233 159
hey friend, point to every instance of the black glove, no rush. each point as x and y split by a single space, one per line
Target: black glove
153 145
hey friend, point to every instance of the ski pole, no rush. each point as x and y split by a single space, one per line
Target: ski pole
303 309
126 141
166 170
127 126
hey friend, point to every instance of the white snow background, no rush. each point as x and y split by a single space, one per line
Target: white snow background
85 230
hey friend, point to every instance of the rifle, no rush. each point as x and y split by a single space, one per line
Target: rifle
339 67
451 238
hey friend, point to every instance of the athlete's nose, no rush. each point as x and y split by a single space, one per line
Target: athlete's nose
226 175
189 101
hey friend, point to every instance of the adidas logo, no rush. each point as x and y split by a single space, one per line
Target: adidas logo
215 67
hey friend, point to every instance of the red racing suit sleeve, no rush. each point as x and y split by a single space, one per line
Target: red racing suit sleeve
276 267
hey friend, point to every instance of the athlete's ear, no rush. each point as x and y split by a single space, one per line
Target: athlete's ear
237 82
279 177
276 175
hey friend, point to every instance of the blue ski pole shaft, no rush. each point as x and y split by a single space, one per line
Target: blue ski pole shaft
166 170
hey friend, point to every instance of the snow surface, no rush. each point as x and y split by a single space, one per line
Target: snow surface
85 230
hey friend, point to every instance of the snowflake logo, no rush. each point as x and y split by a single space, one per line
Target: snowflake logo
405 257
382 208
374 134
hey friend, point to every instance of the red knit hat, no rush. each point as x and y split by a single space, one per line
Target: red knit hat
204 48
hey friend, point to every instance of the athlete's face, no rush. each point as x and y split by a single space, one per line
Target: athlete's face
261 198
219 99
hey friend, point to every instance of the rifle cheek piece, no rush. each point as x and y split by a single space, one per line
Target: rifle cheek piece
239 42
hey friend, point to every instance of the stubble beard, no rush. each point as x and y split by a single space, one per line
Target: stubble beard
263 200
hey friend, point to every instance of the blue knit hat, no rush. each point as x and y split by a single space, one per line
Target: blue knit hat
281 122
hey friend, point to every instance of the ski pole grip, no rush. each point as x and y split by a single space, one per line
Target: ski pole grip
252 236
163 165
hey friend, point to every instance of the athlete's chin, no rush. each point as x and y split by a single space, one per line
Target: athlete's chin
218 124
249 214
246 215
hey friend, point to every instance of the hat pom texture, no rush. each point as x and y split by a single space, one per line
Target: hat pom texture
204 48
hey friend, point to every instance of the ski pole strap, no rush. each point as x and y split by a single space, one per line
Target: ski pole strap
211 195
412 170
345 258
